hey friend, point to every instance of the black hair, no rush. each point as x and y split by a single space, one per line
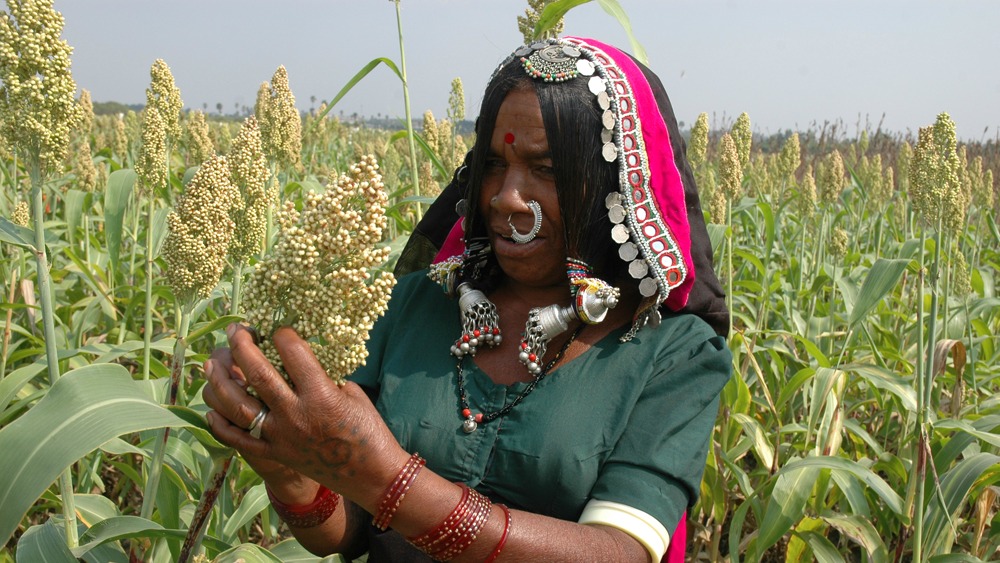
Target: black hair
583 177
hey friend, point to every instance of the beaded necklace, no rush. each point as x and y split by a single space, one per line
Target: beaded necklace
472 421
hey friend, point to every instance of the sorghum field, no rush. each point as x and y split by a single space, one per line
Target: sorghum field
860 423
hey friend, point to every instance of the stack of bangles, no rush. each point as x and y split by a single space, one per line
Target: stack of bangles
456 532
307 515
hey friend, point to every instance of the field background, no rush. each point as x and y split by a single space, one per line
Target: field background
860 424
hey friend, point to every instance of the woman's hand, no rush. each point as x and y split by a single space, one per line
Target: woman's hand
317 431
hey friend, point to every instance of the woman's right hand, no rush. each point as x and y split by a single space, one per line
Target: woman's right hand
226 394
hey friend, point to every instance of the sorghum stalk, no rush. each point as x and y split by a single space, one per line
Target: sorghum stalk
37 112
414 169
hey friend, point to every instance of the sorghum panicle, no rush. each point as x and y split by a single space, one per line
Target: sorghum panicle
199 144
430 132
790 158
526 23
838 243
743 138
698 146
83 166
199 231
956 199
925 192
960 271
21 215
165 97
321 275
456 101
730 169
904 157
805 204
248 169
830 178
120 142
279 120
151 166
38 108
717 207
87 112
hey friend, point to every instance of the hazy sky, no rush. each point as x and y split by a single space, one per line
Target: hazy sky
789 63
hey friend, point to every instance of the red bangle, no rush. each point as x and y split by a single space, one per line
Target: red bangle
456 532
395 492
306 515
503 537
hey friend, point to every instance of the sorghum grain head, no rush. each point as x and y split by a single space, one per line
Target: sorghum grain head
21 215
838 243
806 202
321 276
199 231
165 97
279 120
199 144
37 105
830 178
743 138
248 169
151 166
430 131
730 169
790 158
456 101
87 112
698 146
120 140
526 23
83 166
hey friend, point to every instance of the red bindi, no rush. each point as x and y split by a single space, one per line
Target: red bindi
509 138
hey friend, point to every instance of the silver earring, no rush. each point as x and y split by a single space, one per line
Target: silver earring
536 209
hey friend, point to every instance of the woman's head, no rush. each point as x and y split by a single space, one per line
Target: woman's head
572 124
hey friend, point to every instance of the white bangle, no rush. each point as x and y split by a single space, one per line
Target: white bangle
640 525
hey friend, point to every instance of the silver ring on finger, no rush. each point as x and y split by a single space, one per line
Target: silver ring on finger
257 424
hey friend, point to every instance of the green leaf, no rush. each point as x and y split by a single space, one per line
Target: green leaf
955 558
159 227
862 532
891 499
16 234
246 553
124 527
76 201
45 542
955 486
823 550
785 506
353 82
551 14
84 409
15 380
291 551
254 502
116 198
201 329
881 279
613 8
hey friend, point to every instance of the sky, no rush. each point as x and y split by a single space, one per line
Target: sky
790 64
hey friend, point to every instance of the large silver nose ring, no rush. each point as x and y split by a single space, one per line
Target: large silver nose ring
519 238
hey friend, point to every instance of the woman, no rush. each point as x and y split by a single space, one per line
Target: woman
571 419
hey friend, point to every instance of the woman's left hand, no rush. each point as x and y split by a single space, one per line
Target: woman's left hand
330 433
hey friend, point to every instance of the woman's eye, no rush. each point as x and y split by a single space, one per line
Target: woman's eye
545 171
495 164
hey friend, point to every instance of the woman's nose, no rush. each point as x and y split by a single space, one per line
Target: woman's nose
511 196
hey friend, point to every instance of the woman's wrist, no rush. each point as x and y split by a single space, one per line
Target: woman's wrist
306 515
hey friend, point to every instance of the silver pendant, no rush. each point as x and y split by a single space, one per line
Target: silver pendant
469 426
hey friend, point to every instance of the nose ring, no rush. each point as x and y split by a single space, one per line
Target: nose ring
519 238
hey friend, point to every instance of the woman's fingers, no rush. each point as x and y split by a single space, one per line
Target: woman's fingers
226 396
300 363
237 437
258 371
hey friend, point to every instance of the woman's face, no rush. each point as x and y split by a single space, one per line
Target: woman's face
519 170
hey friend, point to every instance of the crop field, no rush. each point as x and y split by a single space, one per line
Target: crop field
860 424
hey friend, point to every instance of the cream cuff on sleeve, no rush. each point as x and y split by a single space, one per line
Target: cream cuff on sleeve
634 522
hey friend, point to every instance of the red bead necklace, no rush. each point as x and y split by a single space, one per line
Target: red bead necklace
472 421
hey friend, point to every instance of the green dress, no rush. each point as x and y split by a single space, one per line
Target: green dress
624 422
